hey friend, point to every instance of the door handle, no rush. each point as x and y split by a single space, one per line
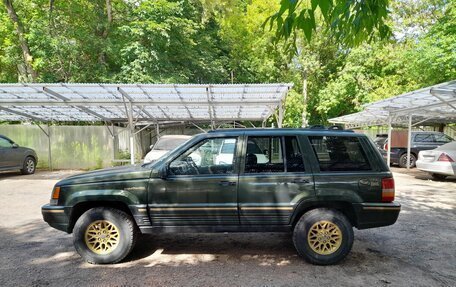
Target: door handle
227 183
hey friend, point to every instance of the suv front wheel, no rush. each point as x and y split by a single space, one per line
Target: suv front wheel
323 236
104 235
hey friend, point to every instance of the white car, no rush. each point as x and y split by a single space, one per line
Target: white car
163 145
226 152
439 162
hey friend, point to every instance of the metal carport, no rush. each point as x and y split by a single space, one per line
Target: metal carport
141 104
431 105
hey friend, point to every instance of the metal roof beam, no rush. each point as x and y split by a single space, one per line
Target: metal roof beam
83 109
23 115
104 102
182 99
420 108
435 94
125 94
55 94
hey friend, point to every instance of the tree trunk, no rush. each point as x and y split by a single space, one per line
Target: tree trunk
28 59
304 93
102 56
109 13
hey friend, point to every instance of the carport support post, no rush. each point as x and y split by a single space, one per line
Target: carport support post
279 122
48 134
131 127
409 141
388 155
49 145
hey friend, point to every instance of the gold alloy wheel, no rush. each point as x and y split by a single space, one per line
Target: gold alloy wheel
102 237
324 237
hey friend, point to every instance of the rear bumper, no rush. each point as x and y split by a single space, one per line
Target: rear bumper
371 215
57 216
445 168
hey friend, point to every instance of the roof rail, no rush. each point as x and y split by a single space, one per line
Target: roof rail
336 128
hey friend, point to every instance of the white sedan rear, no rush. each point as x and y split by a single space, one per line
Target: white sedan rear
439 162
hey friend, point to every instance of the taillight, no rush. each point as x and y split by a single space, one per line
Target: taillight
445 157
385 147
387 189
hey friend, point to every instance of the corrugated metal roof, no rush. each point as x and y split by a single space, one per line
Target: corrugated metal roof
150 102
435 104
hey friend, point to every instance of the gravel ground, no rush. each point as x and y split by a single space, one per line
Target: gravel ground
419 250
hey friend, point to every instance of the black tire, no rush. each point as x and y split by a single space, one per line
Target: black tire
437 176
29 165
302 236
126 238
403 160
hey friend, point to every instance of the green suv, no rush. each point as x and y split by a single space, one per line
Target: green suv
316 183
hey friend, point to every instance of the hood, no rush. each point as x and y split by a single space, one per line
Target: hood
108 174
153 155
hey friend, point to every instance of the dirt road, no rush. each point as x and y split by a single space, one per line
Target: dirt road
419 250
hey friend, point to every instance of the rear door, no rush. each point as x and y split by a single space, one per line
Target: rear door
273 178
347 169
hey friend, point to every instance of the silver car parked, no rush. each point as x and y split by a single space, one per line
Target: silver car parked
14 157
439 162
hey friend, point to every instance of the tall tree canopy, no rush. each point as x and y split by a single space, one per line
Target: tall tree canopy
335 68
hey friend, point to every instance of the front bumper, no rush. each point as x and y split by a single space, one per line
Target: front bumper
371 215
57 216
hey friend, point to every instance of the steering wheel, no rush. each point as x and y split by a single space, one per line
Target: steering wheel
192 164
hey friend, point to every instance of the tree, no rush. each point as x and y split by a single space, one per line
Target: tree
350 22
29 73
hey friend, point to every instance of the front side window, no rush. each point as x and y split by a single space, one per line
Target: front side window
5 143
206 157
339 153
264 155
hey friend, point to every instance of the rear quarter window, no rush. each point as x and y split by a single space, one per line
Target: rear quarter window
339 153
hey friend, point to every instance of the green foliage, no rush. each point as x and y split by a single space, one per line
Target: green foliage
350 22
336 42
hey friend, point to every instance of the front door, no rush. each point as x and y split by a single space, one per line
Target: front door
200 187
273 179
8 154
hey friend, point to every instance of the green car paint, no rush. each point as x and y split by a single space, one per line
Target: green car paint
231 201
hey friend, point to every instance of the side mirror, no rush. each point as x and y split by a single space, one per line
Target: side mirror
164 173
151 146
15 145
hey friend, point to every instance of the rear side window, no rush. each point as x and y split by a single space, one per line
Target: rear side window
442 138
339 153
424 138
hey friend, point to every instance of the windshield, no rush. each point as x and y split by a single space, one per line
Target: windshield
168 143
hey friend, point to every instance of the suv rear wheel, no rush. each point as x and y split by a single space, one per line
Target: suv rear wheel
323 236
104 235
